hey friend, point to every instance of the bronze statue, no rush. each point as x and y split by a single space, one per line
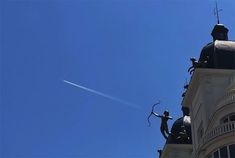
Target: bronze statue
164 127
164 118
196 64
185 88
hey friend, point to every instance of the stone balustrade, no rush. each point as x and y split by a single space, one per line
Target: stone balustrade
219 130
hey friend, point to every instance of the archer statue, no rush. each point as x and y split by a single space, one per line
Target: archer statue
164 118
164 127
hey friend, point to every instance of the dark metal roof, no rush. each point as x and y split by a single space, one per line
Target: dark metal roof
219 55
180 132
219 32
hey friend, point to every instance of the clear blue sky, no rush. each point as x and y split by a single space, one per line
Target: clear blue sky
136 50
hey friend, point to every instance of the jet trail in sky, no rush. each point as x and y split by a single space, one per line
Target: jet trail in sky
104 95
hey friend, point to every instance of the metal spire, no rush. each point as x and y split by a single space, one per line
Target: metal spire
216 12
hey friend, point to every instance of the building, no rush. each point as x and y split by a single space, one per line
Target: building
209 131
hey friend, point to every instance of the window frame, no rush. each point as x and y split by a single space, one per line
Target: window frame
227 117
211 155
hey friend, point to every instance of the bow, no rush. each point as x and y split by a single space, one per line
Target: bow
152 112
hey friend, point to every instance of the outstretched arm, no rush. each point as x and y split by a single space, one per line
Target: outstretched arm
169 117
156 114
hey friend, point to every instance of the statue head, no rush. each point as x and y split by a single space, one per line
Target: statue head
166 113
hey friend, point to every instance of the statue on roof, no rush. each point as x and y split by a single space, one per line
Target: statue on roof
164 118
164 126
197 64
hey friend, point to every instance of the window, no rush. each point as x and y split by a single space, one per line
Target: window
232 117
224 152
228 118
232 150
225 120
216 154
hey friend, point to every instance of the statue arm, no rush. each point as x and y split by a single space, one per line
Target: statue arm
155 114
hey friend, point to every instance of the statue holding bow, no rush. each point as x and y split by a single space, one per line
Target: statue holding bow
164 118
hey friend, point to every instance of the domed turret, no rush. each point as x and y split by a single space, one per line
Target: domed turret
219 54
220 32
181 130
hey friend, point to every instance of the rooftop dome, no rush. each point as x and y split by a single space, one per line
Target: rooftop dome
181 130
219 54
219 32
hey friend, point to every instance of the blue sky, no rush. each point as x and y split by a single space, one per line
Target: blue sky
135 50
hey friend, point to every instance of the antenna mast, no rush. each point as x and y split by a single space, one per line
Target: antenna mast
216 12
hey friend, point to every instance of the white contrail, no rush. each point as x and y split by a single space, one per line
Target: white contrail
103 95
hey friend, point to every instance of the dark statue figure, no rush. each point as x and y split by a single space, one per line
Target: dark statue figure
164 127
196 64
164 118
185 88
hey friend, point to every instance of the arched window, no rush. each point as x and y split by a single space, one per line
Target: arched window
228 118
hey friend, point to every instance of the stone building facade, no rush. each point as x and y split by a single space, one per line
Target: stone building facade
210 98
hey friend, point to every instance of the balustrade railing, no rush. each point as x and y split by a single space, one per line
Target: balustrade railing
219 130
